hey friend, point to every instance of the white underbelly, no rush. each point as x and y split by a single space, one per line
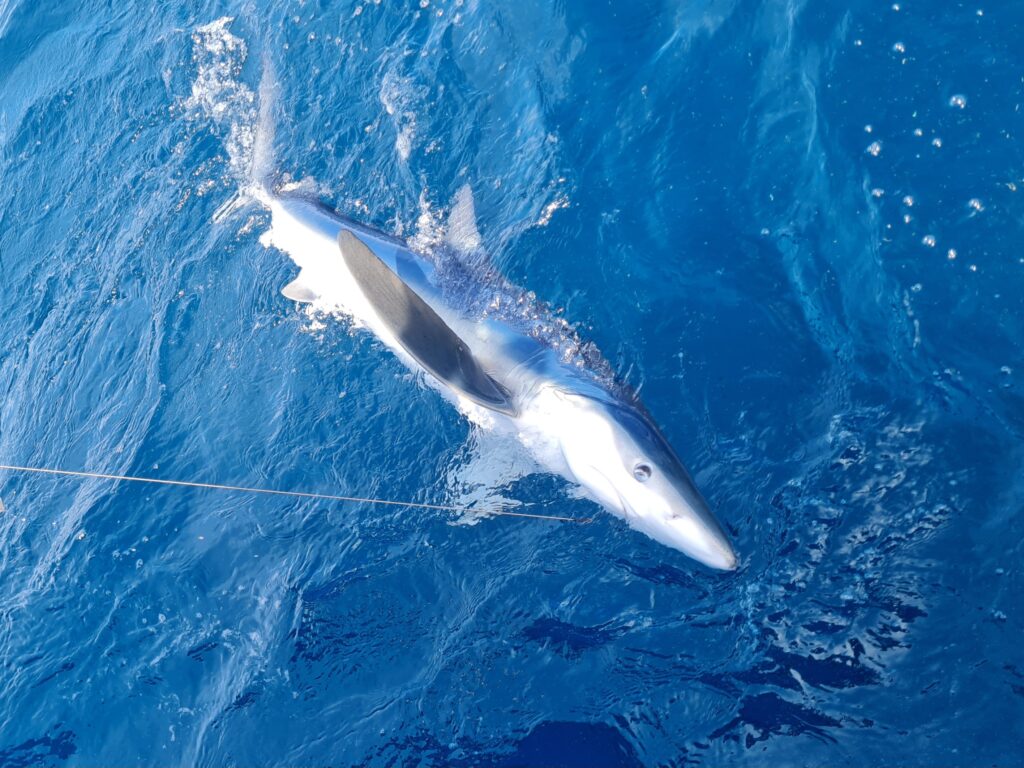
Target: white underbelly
334 290
324 272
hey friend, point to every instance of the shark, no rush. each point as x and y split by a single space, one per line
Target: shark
596 435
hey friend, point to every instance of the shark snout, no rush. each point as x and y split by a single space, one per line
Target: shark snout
694 531
718 553
703 540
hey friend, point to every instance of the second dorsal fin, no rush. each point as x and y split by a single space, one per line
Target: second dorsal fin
419 329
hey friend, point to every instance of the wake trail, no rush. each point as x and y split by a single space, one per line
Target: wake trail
243 119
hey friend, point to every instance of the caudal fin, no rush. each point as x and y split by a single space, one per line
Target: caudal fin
262 165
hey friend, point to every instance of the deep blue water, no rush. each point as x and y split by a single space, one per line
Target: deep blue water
829 331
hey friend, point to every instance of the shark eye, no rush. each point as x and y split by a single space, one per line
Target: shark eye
642 472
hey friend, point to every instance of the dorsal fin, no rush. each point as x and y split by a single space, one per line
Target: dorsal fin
419 329
462 231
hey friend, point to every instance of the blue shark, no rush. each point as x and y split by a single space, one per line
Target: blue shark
597 436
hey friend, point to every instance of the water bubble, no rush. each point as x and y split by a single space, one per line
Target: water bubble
877 192
874 148
973 267
975 205
868 128
899 47
908 201
928 240
896 6
959 101
936 142
918 132
907 218
858 42
951 254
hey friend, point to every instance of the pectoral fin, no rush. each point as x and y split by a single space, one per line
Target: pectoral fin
419 329
298 290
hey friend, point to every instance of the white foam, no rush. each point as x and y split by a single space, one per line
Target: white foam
243 118
218 96
399 98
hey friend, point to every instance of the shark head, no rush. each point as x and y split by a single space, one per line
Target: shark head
617 454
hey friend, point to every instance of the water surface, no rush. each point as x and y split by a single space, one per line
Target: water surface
797 227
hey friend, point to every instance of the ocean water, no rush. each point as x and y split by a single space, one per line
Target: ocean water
797 227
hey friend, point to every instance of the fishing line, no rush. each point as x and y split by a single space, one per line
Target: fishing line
296 494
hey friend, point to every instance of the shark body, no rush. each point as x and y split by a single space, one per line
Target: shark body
499 376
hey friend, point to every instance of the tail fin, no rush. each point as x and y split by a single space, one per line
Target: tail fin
257 181
261 167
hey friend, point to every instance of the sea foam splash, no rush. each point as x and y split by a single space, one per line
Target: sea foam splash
241 117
